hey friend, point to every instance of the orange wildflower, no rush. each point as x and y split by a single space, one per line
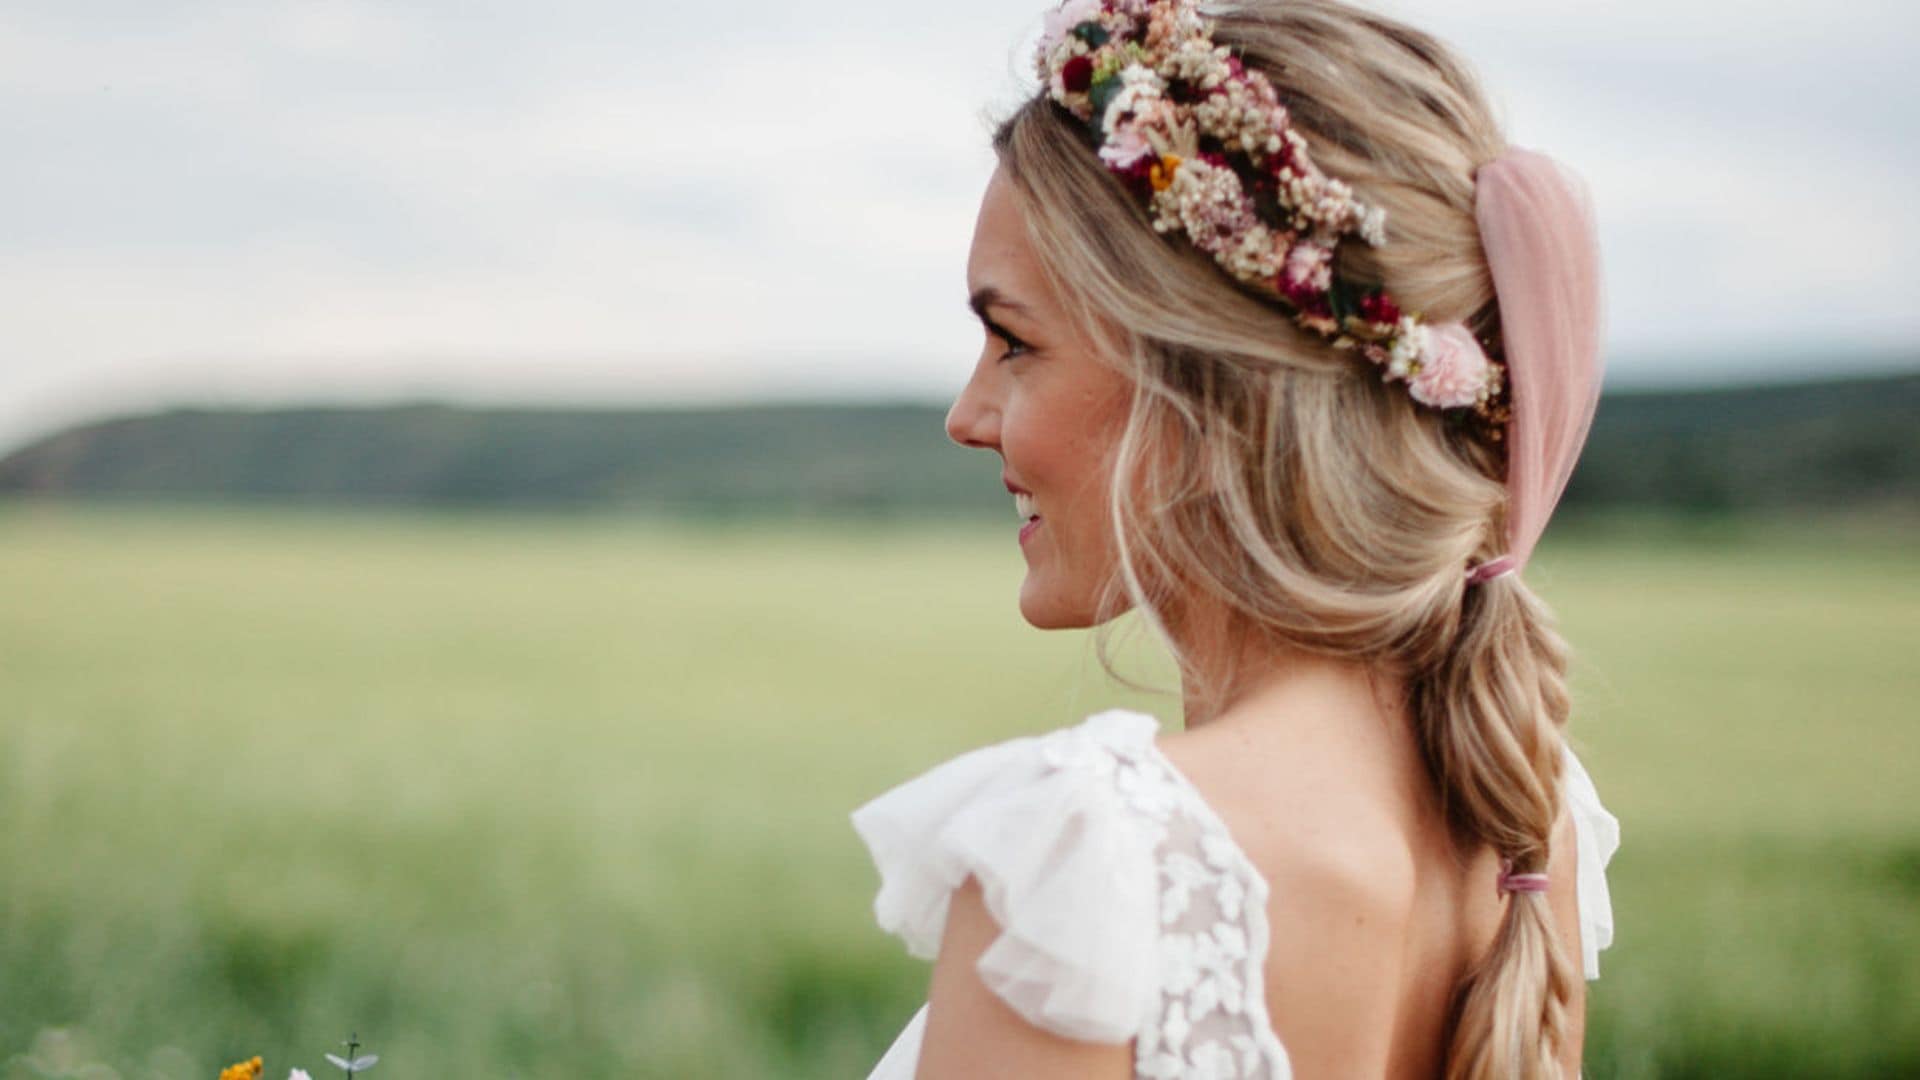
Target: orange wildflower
1161 172
243 1070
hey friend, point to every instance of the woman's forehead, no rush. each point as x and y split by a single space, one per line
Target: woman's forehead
1002 267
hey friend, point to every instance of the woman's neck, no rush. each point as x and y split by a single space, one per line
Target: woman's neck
1352 716
1238 674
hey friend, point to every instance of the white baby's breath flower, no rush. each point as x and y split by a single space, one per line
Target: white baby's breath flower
1373 226
1409 339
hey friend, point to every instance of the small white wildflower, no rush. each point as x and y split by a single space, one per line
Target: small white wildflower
1407 344
1373 226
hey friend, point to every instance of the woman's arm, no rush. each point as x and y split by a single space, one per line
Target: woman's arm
972 1033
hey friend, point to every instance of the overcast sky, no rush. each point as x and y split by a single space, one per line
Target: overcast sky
595 201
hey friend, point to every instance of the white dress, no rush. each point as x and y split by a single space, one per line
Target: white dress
1127 911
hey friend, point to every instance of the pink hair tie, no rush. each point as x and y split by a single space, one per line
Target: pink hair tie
1492 568
1515 883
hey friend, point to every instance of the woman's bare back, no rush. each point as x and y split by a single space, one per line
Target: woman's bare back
1375 914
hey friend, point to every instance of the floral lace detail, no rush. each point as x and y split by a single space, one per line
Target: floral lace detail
1210 1020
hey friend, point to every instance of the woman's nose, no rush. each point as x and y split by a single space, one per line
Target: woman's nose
973 421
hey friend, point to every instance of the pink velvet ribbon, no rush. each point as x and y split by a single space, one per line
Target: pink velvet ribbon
1537 226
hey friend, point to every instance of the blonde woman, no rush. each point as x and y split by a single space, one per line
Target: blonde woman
1289 353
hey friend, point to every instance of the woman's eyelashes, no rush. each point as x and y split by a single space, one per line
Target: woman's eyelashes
1015 346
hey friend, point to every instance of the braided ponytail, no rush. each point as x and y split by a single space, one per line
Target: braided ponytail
1490 717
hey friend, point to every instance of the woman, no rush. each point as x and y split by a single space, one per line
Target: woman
1287 351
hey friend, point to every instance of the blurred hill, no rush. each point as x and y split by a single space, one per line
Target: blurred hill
1852 442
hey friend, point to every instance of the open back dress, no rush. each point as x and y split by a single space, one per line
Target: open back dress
1127 911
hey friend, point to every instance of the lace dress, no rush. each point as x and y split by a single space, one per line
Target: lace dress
1127 911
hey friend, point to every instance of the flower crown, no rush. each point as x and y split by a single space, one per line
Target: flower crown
1207 142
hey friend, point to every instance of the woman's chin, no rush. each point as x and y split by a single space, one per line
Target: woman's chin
1044 611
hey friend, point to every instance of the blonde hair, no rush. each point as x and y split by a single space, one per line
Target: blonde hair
1263 473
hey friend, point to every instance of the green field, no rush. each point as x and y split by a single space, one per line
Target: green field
568 796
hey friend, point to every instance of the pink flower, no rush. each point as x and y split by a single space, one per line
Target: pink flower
1453 368
1305 277
1061 21
1311 265
1125 147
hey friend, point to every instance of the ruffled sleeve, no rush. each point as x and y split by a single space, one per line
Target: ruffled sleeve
1597 835
1065 869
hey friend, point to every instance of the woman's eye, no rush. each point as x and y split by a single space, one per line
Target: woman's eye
1015 347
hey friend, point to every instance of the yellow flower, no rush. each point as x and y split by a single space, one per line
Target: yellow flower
243 1070
1161 174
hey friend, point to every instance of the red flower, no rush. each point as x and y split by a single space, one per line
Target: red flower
1139 174
1077 74
1301 294
1378 307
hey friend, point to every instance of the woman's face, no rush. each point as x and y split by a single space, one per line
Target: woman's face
1039 399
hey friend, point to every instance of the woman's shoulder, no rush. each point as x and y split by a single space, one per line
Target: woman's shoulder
1295 814
1056 830
1340 873
1079 758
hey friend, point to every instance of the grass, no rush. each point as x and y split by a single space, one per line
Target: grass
526 796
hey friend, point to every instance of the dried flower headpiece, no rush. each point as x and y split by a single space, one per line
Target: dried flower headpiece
1208 143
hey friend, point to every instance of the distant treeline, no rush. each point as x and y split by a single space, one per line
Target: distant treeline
1847 442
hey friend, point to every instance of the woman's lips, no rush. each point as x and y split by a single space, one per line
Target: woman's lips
1028 529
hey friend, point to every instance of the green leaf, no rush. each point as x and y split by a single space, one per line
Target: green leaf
1092 33
1099 94
1340 298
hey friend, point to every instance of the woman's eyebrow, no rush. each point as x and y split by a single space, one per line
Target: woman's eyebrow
987 296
